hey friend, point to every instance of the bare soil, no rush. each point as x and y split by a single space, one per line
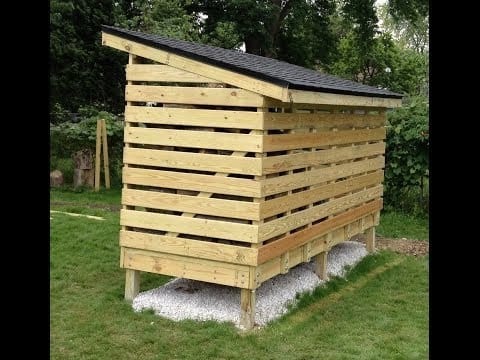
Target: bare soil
403 246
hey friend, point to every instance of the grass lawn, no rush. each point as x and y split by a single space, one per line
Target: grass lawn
379 312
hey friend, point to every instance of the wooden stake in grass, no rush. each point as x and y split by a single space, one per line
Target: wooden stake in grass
101 135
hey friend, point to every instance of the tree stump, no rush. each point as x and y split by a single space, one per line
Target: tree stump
84 172
56 178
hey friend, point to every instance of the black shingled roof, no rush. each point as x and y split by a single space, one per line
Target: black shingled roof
270 70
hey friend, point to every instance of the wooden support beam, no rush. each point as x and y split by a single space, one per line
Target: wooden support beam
106 168
97 155
370 234
247 309
321 265
132 284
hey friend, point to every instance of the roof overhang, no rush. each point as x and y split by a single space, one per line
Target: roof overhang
275 91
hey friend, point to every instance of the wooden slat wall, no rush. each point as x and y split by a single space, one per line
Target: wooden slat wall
235 190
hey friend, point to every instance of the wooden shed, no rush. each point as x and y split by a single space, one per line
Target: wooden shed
239 167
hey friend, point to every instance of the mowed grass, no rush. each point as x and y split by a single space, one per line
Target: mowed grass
379 312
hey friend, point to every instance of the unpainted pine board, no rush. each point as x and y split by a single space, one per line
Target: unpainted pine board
322 138
311 97
193 95
187 267
284 183
322 192
187 225
300 218
193 161
274 164
163 73
234 119
194 139
325 121
194 182
247 309
278 247
188 247
184 203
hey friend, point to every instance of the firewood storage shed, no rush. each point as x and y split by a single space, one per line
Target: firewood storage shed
239 167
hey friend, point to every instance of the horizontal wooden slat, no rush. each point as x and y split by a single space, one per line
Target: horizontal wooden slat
193 161
278 247
195 182
282 225
194 117
193 139
180 62
191 204
282 204
187 247
181 224
193 95
163 73
274 164
186 267
298 141
307 178
321 120
313 97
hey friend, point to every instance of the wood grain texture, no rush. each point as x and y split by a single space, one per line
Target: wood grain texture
193 95
187 225
194 182
193 161
278 247
187 267
300 218
198 205
194 139
298 141
273 164
194 117
284 183
282 204
187 247
163 73
324 121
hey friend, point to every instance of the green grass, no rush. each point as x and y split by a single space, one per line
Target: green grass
379 312
401 225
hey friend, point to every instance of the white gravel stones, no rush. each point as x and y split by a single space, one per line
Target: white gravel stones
182 299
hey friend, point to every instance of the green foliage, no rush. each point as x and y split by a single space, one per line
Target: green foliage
67 138
58 114
163 17
82 71
407 155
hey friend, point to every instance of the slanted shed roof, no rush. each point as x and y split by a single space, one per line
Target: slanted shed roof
270 70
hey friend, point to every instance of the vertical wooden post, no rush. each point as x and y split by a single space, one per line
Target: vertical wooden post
321 265
370 234
247 309
97 156
132 284
106 167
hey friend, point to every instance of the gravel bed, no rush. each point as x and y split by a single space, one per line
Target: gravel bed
181 299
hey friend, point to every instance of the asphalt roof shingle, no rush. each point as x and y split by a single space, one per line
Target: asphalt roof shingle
271 70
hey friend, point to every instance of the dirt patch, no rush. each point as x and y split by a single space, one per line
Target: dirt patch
403 246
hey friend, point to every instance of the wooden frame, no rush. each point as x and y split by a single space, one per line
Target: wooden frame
233 180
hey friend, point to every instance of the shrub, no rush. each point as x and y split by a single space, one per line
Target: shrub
406 169
66 138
